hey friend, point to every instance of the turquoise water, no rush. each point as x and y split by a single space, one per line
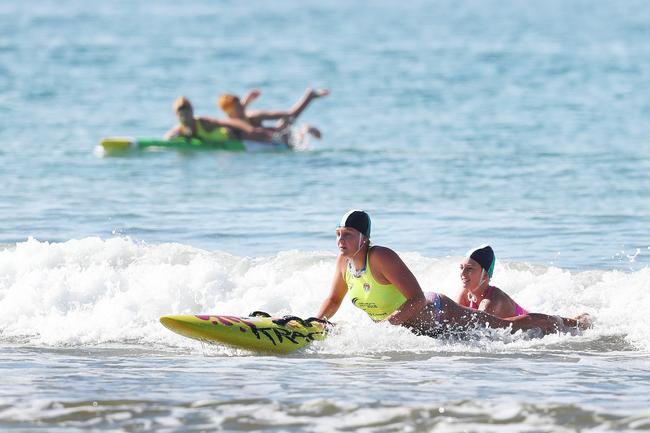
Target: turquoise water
453 123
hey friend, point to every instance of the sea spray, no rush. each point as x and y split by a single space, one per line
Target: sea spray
96 291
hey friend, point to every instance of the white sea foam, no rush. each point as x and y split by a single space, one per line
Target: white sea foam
95 291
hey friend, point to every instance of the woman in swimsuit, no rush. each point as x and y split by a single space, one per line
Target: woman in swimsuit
379 283
476 270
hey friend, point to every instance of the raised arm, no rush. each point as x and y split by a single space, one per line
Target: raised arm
250 98
337 292
389 266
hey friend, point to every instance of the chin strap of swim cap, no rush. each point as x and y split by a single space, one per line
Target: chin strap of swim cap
360 221
357 272
481 280
359 245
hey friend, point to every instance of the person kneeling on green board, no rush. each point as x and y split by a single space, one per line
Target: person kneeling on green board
381 284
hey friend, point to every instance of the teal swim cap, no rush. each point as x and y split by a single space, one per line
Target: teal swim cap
484 256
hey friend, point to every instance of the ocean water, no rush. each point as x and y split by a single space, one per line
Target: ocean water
453 123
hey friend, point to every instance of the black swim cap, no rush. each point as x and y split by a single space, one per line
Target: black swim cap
484 256
357 219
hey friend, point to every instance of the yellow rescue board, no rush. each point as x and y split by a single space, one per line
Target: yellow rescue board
256 333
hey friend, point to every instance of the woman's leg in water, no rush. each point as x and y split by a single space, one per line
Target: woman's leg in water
300 106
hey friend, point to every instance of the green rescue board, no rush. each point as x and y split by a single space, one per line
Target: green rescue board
258 332
122 144
118 145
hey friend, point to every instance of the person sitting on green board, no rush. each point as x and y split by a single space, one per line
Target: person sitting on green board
379 283
238 109
210 129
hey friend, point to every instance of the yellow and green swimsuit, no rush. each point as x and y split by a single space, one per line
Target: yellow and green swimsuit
378 300
217 134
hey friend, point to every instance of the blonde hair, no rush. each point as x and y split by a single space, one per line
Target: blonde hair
227 102
182 103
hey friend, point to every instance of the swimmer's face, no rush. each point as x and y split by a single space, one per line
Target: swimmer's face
470 274
185 116
348 240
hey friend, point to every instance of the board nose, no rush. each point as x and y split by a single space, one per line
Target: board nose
169 321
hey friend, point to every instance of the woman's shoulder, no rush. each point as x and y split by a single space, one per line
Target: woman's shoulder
496 292
380 250
384 258
379 253
502 299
